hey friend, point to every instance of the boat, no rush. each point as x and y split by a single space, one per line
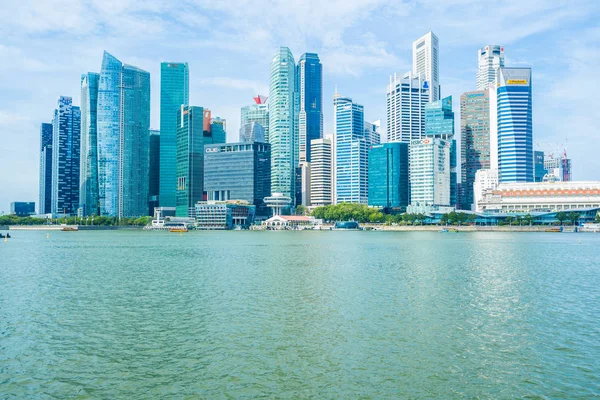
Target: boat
69 229
179 229
443 230
555 229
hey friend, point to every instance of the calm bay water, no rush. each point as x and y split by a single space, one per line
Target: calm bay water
134 314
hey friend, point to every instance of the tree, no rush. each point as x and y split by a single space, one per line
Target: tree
444 219
561 217
573 217
472 218
300 210
597 219
528 219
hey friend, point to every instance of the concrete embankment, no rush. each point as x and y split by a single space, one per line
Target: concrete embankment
60 227
469 228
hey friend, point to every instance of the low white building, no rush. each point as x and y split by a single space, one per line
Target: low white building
541 196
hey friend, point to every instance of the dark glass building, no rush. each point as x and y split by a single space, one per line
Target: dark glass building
154 182
388 175
191 138
88 180
309 80
22 208
238 171
45 198
539 170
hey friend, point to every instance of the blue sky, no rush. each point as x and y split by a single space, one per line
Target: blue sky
46 46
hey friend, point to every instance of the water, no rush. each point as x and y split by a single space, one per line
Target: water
140 315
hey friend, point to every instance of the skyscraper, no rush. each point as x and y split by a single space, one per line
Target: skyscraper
190 159
88 181
406 99
321 172
154 171
351 151
174 92
283 127
491 59
310 91
123 140
475 141
372 132
388 175
45 199
539 170
426 61
66 142
257 113
515 134
430 172
218 131
252 132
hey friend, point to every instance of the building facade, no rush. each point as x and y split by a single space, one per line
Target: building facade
515 134
218 130
351 152
388 175
558 167
45 187
321 172
174 92
372 134
238 171
426 62
475 141
309 80
190 159
88 174
22 208
485 180
219 215
123 140
429 161
66 147
539 171
405 107
252 115
491 59
154 171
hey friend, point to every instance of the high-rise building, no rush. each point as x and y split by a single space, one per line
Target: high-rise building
123 140
491 59
252 132
320 172
66 142
218 131
252 114
426 62
372 132
88 179
539 171
351 152
309 81
238 171
406 99
154 171
515 135
174 92
388 175
475 141
429 161
22 208
45 195
283 123
190 159
558 167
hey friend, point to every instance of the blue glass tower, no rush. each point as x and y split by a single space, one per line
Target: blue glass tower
309 81
45 199
388 175
515 133
88 182
66 136
123 140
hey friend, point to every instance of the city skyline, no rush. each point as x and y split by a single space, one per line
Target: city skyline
358 62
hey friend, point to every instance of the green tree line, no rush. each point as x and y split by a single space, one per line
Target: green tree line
97 221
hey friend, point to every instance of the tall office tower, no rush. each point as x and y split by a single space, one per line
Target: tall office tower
238 171
66 142
406 99
351 152
174 92
491 59
439 123
426 62
515 134
88 179
283 127
539 170
320 172
45 199
191 138
255 113
372 132
309 81
218 131
123 140
154 171
252 132
388 175
559 168
475 141
429 161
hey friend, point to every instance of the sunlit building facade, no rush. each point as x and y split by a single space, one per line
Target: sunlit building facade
88 181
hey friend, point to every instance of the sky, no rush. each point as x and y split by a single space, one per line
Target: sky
46 46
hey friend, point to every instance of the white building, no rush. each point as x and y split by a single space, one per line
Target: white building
426 61
491 59
305 182
429 161
558 167
541 196
485 179
406 99
320 172
372 132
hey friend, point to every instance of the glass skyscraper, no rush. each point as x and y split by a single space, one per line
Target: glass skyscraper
45 195
430 172
66 137
174 92
491 59
515 133
406 99
190 158
539 170
351 152
309 81
154 171
88 181
252 114
283 124
388 175
123 140
218 130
